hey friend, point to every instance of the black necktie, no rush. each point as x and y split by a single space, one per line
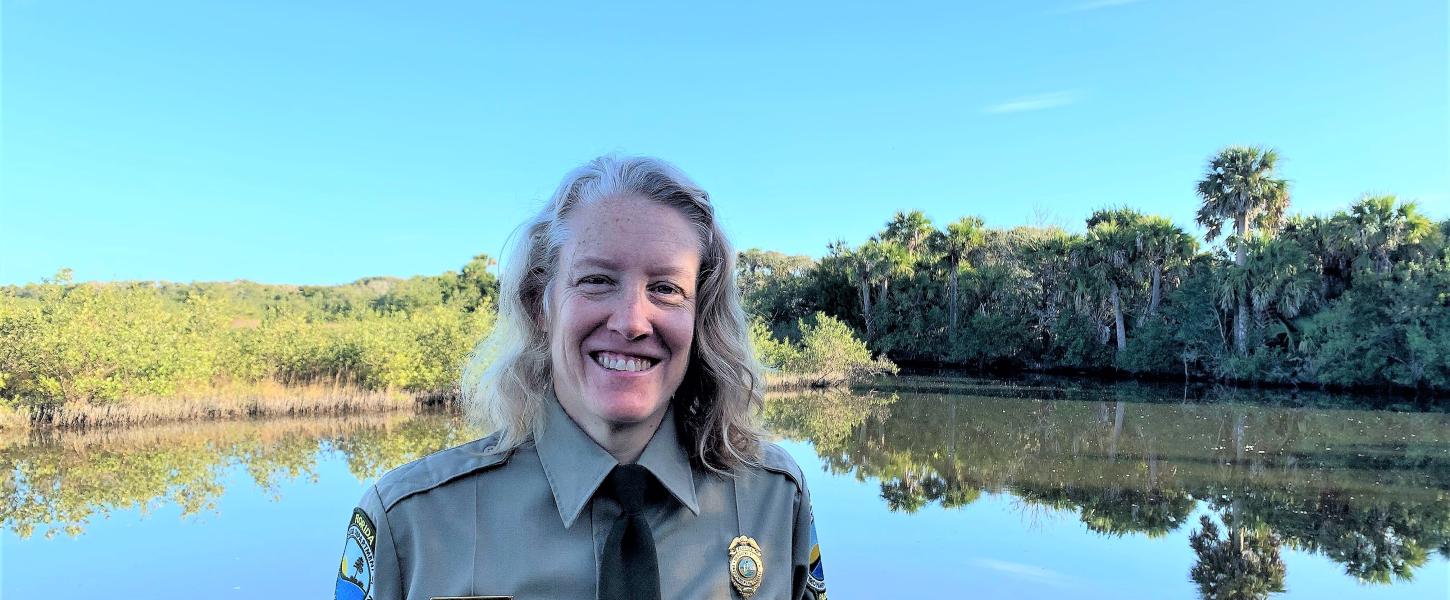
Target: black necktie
629 569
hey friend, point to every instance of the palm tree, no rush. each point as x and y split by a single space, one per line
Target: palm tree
910 230
893 260
1111 255
1165 248
1245 565
958 243
1377 227
871 265
859 268
1321 238
1049 259
1239 185
1279 281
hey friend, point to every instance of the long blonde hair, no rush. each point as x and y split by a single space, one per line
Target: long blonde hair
508 377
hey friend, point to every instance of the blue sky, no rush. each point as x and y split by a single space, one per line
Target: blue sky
319 142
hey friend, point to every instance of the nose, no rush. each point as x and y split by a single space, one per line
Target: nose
630 317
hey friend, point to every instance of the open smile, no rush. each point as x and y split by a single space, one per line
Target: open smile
614 361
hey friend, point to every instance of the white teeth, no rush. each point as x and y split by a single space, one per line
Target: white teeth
617 363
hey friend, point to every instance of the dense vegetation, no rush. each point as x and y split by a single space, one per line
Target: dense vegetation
1358 298
68 347
127 353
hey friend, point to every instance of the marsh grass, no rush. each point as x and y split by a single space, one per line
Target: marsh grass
222 402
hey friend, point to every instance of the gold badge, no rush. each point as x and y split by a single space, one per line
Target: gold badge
747 566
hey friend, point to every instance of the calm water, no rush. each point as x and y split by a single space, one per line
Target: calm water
941 488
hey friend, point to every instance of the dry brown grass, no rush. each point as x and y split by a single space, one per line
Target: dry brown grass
12 419
267 431
780 381
222 402
225 401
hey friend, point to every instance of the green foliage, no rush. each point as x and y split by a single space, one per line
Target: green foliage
831 353
828 353
1244 566
101 343
772 352
1152 349
1352 299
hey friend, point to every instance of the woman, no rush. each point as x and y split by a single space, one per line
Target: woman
626 462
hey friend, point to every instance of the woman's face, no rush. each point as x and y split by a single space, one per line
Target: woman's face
622 312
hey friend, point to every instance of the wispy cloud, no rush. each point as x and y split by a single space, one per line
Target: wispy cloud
1034 102
1029 572
1095 5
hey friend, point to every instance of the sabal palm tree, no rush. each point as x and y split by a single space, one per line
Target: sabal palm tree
1283 281
1239 186
958 243
910 230
1376 227
893 260
869 266
860 265
1164 248
1111 254
1279 281
1049 260
1320 237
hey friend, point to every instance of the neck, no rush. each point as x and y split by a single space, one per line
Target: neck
625 442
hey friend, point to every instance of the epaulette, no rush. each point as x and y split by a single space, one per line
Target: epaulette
439 468
773 458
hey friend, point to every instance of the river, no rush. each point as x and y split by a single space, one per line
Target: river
926 487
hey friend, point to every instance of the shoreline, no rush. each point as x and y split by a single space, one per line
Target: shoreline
271 399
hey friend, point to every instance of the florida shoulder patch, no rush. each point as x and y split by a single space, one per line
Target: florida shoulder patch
355 576
816 574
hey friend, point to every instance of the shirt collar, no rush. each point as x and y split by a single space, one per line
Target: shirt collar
575 465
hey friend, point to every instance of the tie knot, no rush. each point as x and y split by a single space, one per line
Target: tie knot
627 484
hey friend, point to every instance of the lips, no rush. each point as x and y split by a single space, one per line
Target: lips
616 361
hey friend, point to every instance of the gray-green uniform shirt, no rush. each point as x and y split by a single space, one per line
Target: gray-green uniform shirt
470 521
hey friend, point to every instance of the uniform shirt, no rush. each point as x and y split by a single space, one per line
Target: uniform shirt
472 521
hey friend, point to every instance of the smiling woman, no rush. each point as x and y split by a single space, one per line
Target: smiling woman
622 318
626 461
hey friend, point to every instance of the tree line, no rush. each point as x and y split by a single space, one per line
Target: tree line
1356 299
81 354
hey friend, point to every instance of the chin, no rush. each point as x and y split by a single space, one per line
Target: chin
629 409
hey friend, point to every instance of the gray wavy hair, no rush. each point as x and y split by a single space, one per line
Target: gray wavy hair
508 376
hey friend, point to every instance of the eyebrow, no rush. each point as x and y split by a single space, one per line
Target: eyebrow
607 264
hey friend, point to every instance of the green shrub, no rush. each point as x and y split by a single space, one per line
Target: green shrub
831 354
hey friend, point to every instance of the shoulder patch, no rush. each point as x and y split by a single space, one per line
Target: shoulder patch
355 575
439 468
815 573
775 459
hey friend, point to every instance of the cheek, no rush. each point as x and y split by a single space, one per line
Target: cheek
681 335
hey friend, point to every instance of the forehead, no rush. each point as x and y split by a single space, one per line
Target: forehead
630 231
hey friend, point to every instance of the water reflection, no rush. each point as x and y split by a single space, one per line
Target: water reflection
1365 489
59 482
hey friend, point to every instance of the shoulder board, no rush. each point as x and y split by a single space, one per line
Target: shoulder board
773 458
439 468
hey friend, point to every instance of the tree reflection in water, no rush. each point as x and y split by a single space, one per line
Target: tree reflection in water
1245 566
1364 488
60 481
